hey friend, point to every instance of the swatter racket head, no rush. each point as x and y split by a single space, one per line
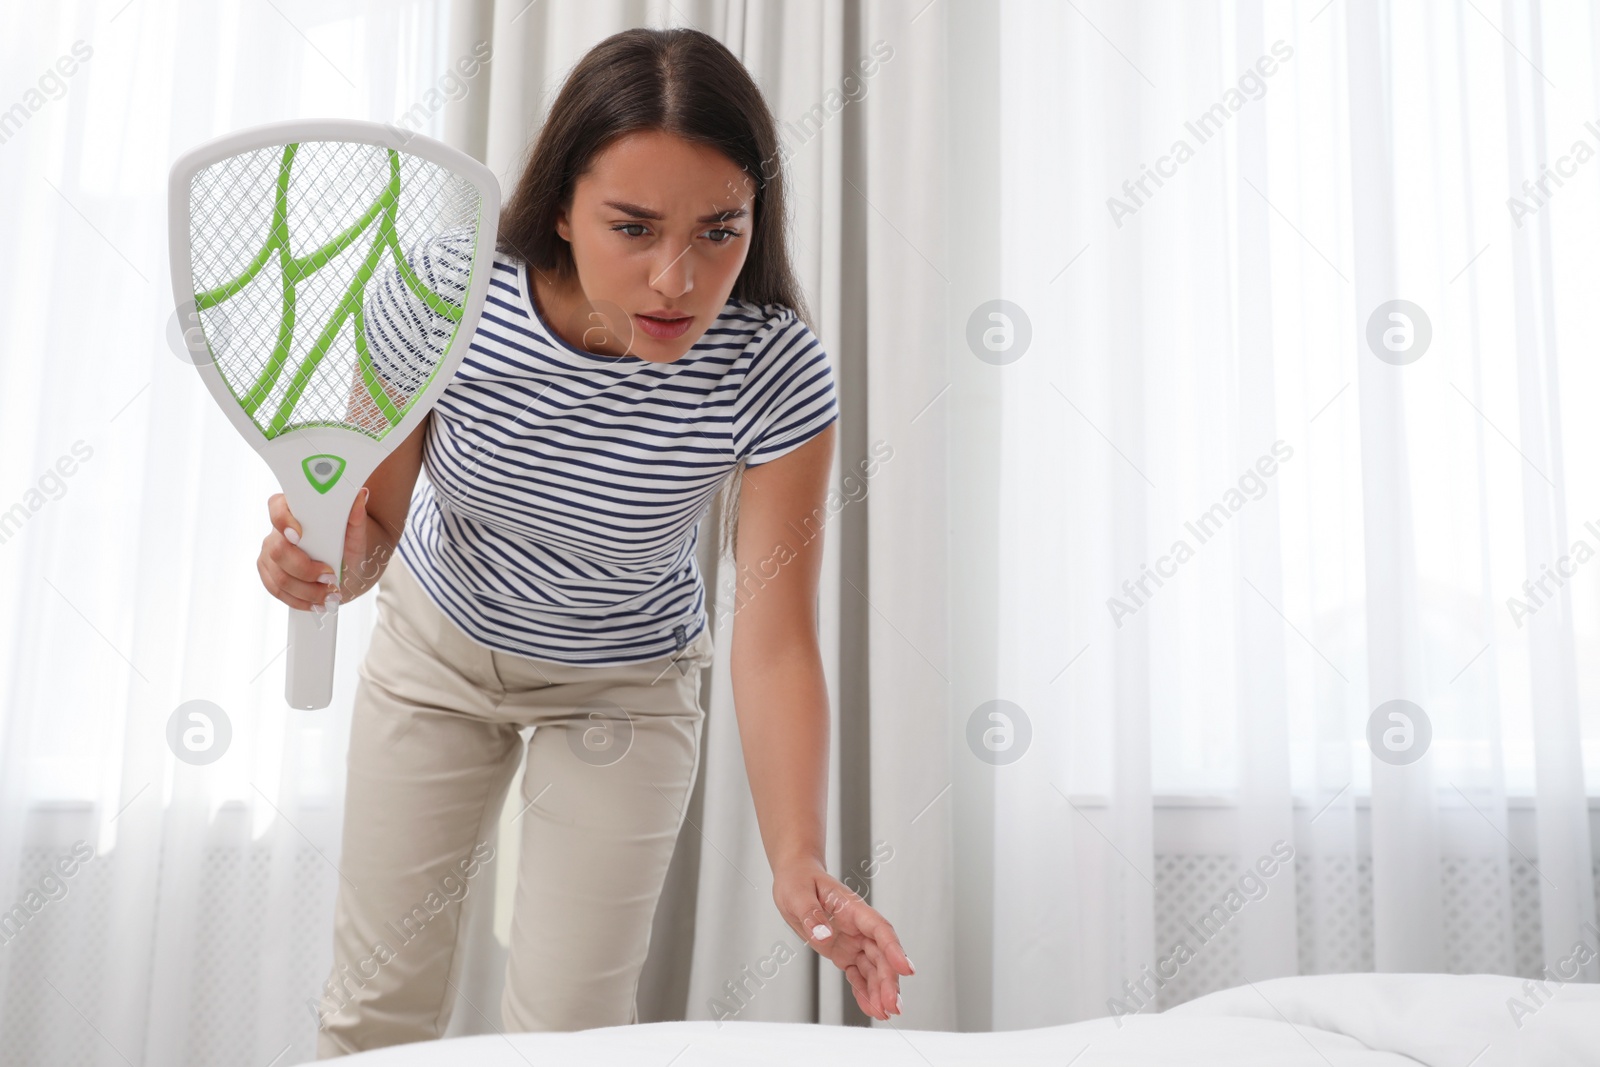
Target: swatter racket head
284 235
329 275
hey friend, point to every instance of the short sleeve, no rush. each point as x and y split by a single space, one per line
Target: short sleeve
407 339
789 395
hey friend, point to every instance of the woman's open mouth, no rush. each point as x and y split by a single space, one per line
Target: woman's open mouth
663 329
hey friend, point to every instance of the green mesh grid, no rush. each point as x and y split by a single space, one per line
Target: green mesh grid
329 279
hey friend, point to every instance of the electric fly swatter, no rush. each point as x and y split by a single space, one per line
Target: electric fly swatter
329 275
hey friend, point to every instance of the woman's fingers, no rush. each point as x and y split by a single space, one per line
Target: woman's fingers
355 531
298 594
282 521
301 575
876 928
287 571
840 925
864 999
818 929
272 581
884 982
856 987
802 900
882 961
797 903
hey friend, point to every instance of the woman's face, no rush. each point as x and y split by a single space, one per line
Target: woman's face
659 230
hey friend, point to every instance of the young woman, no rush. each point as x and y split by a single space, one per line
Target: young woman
644 342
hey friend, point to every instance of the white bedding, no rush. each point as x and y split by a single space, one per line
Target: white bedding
1341 1020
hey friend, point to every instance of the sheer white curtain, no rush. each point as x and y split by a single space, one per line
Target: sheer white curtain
1232 528
159 911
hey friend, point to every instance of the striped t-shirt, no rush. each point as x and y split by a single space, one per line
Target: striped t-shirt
564 491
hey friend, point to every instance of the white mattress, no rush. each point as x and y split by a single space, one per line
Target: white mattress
1341 1020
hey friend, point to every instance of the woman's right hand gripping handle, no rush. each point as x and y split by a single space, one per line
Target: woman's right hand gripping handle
302 582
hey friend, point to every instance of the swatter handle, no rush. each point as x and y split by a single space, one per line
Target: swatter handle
312 637
312 634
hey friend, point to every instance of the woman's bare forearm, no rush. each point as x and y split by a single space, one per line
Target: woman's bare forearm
780 698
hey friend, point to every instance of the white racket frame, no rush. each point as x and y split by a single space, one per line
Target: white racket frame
324 516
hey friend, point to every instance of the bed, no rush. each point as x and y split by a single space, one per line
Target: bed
1340 1020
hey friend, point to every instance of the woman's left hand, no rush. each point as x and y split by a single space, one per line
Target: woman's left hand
841 926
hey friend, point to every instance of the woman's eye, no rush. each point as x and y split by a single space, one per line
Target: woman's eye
728 237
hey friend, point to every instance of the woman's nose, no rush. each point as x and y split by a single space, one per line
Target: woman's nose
672 278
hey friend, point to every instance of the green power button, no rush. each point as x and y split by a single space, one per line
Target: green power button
323 471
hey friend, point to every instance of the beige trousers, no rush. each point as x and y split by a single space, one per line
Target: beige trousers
434 743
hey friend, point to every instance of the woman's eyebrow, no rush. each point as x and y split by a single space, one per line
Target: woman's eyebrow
725 215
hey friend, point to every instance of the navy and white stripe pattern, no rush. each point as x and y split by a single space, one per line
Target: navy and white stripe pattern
406 338
564 490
